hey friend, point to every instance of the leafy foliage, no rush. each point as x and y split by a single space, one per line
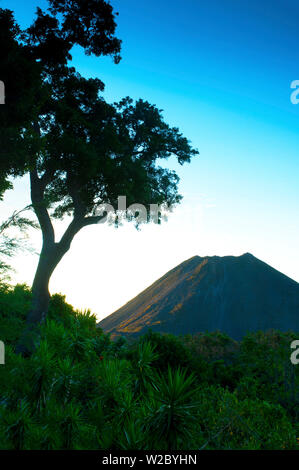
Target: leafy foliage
80 390
11 244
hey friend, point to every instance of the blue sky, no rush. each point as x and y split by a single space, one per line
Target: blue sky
221 71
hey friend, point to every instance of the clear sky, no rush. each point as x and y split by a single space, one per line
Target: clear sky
221 71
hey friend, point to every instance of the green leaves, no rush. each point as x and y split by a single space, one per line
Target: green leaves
43 364
33 62
71 421
16 424
90 24
171 418
80 390
142 367
66 380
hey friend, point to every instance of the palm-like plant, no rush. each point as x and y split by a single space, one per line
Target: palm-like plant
66 422
131 436
66 379
16 424
85 321
57 337
43 365
70 424
171 411
95 414
114 379
142 368
44 437
81 347
14 383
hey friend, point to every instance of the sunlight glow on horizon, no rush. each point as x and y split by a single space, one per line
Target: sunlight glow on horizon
107 267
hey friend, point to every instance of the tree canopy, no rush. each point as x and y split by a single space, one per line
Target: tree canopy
80 151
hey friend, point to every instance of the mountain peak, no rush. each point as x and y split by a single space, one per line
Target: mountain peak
232 294
248 255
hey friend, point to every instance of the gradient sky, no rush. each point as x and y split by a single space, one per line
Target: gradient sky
221 71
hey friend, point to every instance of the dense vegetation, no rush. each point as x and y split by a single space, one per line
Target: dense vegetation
81 390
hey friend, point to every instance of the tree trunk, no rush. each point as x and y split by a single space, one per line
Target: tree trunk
50 256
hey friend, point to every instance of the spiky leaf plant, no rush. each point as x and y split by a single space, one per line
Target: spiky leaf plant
171 417
43 364
142 369
15 425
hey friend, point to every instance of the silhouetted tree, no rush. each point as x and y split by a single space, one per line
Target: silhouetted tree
80 151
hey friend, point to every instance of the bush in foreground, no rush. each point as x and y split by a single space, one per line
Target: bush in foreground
80 390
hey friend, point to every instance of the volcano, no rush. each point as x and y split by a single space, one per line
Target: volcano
231 294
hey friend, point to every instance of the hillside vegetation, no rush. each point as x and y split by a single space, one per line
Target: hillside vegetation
81 390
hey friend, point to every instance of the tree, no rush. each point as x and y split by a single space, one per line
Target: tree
80 151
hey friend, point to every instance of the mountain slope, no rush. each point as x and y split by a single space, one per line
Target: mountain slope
230 294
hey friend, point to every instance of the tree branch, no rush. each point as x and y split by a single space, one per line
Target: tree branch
67 238
37 187
38 203
93 220
74 227
15 220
